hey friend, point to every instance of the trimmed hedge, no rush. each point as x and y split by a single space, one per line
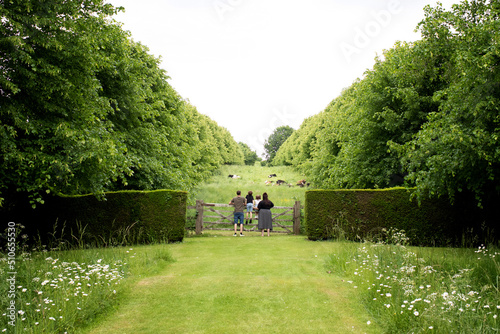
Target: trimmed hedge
123 217
364 214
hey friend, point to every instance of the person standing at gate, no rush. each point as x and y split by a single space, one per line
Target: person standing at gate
249 198
239 207
265 216
255 204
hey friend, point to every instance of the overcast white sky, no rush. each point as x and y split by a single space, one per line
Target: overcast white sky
254 65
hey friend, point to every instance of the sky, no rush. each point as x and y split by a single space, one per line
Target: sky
255 65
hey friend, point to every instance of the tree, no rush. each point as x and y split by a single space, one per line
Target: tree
250 156
457 149
84 109
54 130
275 140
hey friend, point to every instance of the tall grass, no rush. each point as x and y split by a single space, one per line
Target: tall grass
221 188
57 290
416 290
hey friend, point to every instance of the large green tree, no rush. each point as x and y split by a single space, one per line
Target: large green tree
458 147
427 113
250 156
55 129
275 140
84 109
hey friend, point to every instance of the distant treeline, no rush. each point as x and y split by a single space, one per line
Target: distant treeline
426 116
85 109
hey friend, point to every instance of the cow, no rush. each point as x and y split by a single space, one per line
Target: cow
230 176
268 182
236 176
302 183
272 175
280 182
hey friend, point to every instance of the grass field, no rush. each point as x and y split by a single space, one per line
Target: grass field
216 283
220 189
243 285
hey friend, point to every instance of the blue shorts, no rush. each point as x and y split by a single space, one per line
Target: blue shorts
249 207
240 216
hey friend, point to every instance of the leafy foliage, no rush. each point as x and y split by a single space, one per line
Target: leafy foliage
275 140
457 149
426 115
250 156
84 109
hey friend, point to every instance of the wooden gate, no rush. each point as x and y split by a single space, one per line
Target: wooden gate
217 216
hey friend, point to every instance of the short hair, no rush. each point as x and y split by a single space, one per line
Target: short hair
250 192
257 197
238 192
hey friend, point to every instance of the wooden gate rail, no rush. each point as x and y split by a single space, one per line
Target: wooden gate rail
228 219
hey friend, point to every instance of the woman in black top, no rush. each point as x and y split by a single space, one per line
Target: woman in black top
265 216
249 198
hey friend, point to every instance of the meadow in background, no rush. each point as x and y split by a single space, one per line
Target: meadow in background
220 188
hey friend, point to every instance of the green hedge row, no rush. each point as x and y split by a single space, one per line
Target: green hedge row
123 217
365 214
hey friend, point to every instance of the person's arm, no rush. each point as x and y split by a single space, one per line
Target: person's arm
231 202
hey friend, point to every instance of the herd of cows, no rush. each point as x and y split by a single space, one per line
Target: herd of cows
300 183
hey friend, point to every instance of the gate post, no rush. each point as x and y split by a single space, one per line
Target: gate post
199 217
296 218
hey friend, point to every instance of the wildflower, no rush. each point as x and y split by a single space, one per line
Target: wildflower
430 327
416 313
52 318
368 322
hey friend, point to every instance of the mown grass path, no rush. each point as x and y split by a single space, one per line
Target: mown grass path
225 284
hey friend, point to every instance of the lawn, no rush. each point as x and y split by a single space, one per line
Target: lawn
216 283
223 284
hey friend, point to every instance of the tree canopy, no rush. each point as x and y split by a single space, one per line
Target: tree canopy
275 140
250 156
85 109
426 115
